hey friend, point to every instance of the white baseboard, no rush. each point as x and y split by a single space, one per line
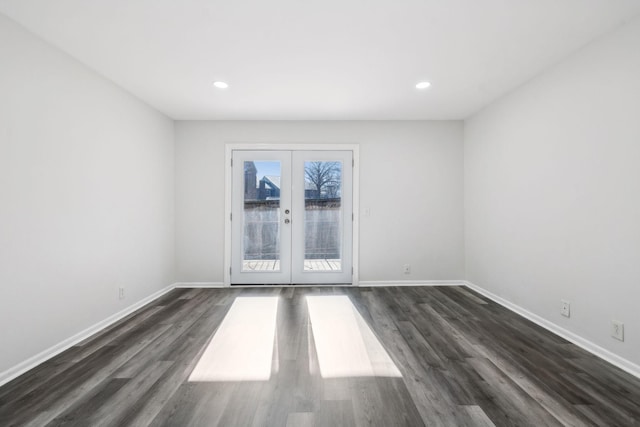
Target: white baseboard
361 283
47 354
603 353
411 283
199 285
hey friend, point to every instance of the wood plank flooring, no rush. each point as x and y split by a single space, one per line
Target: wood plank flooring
464 360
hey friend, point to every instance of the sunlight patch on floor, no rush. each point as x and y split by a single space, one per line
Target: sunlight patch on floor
345 344
242 347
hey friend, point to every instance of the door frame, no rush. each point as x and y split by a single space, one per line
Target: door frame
230 147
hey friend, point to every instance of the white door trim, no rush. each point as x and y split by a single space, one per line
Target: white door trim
230 147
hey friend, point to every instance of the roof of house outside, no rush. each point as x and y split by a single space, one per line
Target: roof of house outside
273 180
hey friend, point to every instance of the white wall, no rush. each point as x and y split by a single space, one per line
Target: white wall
552 193
86 197
410 178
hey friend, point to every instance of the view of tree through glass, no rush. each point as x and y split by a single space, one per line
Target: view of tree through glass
323 179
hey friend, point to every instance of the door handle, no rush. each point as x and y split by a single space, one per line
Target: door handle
286 221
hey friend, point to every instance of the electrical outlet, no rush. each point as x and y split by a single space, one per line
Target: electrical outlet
120 292
617 330
565 308
406 269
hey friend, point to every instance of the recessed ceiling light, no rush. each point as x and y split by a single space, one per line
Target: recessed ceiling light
423 85
220 85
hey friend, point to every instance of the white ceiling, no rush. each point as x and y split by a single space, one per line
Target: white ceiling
319 59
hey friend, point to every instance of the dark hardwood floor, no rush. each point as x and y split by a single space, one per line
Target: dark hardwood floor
464 360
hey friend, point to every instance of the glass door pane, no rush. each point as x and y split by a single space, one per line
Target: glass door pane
322 216
261 212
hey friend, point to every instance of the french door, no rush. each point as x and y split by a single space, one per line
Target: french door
291 217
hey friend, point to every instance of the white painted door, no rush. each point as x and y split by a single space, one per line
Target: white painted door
291 217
